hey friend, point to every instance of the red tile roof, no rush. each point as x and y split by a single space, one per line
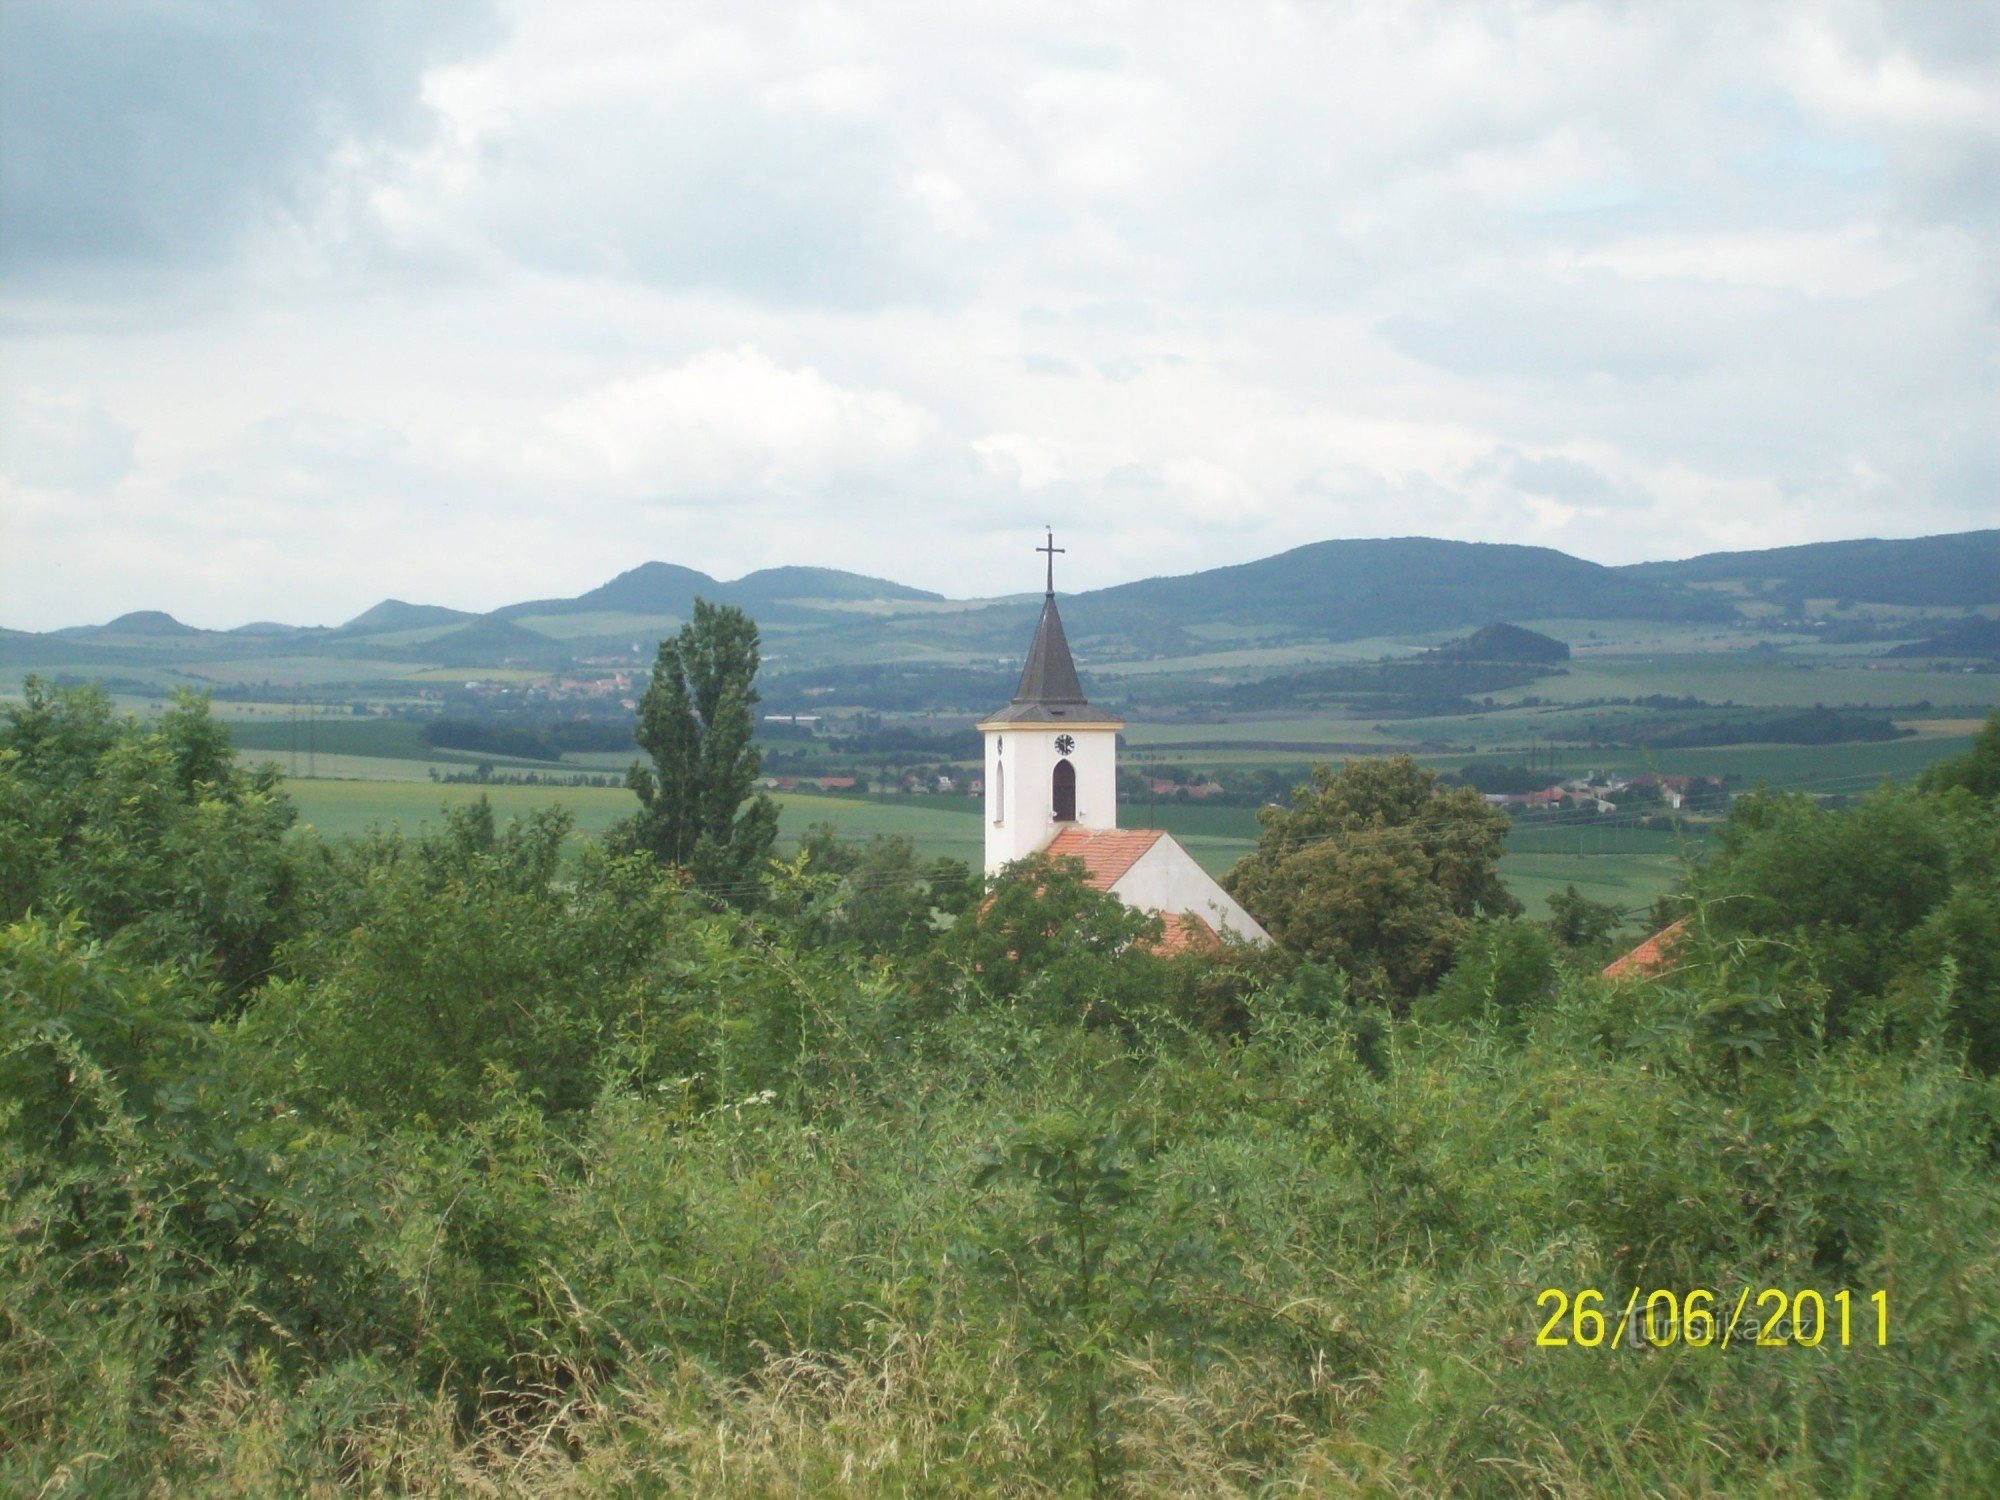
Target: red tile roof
1186 933
1107 853
1650 956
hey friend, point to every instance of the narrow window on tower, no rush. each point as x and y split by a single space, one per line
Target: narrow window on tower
1064 788
999 794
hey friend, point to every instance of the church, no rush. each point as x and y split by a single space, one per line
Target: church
1052 788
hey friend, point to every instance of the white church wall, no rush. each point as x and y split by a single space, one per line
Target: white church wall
1020 802
1166 878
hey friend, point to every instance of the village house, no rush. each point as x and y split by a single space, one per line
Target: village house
1194 789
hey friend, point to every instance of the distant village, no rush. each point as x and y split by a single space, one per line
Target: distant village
1606 794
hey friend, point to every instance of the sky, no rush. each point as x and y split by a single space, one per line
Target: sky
309 303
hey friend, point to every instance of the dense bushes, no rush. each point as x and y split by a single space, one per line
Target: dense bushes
1868 920
525 1174
153 836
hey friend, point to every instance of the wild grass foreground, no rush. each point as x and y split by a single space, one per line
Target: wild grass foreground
449 1166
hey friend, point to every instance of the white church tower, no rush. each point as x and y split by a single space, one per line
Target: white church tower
1052 786
1051 760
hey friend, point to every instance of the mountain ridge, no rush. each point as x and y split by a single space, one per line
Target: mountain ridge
1335 590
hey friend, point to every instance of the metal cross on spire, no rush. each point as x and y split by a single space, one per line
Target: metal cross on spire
1052 549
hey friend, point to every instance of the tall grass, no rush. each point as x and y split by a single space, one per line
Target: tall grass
790 1298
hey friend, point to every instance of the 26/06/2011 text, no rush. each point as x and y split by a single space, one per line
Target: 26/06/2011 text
1778 1319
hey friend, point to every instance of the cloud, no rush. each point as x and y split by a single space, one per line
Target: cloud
732 419
66 442
154 132
886 288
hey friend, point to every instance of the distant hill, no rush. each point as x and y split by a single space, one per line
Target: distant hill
1326 592
817 583
488 642
1406 585
1962 569
653 588
1976 638
394 614
659 588
1503 642
149 622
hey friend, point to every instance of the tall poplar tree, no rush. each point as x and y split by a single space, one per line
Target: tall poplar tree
695 722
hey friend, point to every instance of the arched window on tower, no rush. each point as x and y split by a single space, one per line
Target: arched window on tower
999 794
1064 787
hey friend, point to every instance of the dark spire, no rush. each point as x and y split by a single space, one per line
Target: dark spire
1049 688
1050 675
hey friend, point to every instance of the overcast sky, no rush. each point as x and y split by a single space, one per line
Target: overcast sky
309 304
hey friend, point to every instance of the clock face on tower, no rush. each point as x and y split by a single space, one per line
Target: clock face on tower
1065 743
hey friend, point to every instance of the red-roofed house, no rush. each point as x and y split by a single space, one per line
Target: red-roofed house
1052 787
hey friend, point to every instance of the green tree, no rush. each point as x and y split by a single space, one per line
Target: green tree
876 895
1068 1247
1886 909
1047 937
695 722
436 966
1978 770
1503 970
150 833
1379 868
1581 924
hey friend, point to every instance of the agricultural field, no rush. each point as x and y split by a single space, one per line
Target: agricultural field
338 808
350 770
1777 680
371 771
1605 864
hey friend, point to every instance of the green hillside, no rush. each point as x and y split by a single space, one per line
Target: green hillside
825 629
1503 642
1346 589
1960 570
395 614
1975 638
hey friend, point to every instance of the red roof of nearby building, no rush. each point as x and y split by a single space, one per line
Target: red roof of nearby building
1107 853
1186 933
1650 956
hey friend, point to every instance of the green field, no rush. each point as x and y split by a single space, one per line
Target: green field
1608 865
384 739
363 771
644 629
1764 679
337 808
